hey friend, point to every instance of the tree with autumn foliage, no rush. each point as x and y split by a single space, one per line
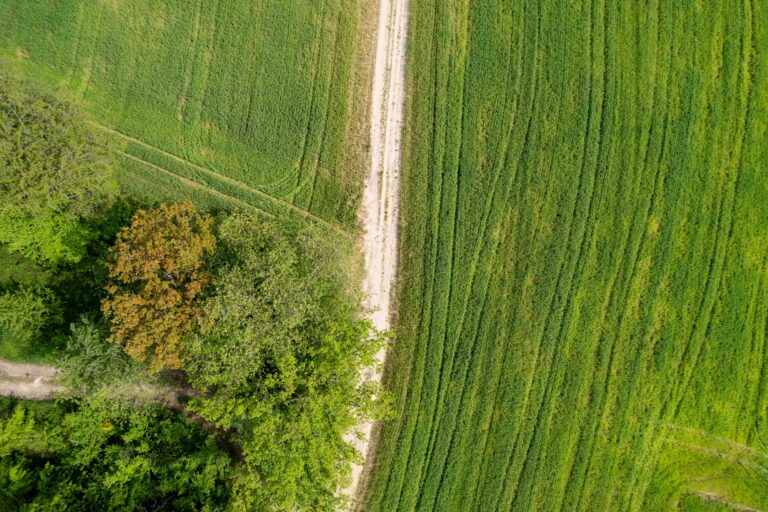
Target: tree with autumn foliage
156 275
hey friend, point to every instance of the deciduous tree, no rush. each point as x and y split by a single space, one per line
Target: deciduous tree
157 273
54 170
278 357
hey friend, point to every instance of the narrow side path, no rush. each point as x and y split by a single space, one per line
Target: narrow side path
381 199
30 381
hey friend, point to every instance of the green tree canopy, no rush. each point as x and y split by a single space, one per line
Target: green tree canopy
91 362
108 453
25 314
54 170
277 358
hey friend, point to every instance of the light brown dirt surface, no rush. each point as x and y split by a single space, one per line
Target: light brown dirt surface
382 192
30 381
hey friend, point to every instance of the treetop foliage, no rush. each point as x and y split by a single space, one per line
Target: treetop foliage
54 171
25 311
156 276
258 309
90 362
278 355
107 453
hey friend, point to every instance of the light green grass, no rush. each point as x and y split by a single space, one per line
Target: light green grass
696 503
584 256
272 94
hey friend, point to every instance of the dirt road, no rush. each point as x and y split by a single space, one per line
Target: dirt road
382 192
31 381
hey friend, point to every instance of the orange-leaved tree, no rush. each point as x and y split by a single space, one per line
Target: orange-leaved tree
157 272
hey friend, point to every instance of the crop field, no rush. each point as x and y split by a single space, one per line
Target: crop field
583 289
263 103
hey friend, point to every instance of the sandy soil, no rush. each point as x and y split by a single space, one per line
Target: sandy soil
381 199
31 381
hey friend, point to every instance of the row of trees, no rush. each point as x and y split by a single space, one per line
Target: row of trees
254 320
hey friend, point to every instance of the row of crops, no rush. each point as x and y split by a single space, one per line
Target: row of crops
271 95
584 266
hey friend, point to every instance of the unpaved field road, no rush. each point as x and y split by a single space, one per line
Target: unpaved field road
382 192
30 381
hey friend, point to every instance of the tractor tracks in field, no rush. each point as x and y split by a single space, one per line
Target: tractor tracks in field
381 199
265 198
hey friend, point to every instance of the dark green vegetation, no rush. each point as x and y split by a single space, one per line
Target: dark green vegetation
236 104
224 371
584 268
103 453
57 215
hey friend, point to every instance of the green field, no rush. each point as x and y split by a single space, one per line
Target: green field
583 289
698 503
265 103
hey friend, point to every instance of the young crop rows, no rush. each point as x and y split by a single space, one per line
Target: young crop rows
235 104
584 259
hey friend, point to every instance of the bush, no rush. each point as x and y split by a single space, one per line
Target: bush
25 312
